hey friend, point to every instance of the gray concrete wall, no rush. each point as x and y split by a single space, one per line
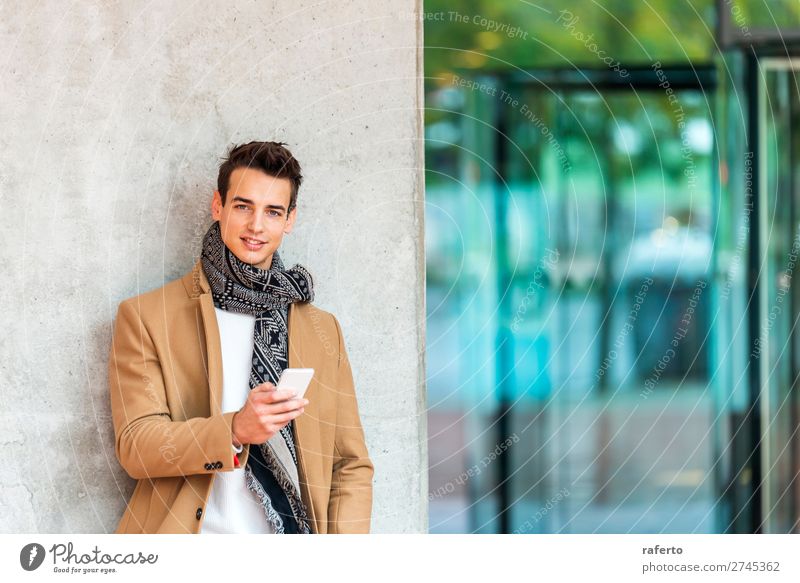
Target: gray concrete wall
114 118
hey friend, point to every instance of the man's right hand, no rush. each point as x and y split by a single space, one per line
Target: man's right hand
265 412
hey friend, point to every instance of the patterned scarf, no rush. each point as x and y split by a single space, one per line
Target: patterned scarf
271 469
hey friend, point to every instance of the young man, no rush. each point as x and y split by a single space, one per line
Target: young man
215 447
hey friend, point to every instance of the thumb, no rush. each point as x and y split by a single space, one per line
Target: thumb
265 387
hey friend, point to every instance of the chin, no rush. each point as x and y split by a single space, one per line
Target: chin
253 259
245 256
256 262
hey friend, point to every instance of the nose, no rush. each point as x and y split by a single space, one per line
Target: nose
256 223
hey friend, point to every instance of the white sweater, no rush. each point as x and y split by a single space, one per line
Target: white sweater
232 508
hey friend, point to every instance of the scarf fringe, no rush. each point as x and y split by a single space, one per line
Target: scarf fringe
286 484
255 486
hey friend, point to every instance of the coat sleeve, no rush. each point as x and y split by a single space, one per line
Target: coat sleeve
350 504
149 444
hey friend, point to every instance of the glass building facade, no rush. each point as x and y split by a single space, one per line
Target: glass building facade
610 255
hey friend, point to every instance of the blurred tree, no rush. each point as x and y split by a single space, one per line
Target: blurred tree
492 35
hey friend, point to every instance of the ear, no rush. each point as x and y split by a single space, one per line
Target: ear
216 206
290 221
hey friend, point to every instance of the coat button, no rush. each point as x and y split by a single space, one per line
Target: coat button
199 513
218 465
207 466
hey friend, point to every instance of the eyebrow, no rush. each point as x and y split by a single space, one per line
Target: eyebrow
248 201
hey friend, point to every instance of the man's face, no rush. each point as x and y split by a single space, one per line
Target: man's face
254 218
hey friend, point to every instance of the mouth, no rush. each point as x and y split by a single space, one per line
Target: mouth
253 244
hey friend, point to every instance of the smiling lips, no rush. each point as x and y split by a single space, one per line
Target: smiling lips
253 244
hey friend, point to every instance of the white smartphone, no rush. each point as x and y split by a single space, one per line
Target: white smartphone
296 380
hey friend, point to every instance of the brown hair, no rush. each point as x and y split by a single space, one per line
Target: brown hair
270 157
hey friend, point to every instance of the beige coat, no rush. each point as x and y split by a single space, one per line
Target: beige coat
165 378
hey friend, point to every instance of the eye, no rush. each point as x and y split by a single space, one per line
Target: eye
274 213
240 207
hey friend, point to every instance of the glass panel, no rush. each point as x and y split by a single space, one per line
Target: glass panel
575 298
461 259
631 326
733 428
779 119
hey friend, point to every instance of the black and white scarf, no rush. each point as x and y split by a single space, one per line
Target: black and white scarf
271 469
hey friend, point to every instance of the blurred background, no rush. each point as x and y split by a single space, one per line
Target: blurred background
612 227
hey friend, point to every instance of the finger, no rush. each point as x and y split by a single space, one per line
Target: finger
267 396
283 418
273 417
284 406
277 408
277 396
264 406
265 387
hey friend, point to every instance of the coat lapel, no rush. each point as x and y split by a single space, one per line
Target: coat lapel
197 286
214 358
306 425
